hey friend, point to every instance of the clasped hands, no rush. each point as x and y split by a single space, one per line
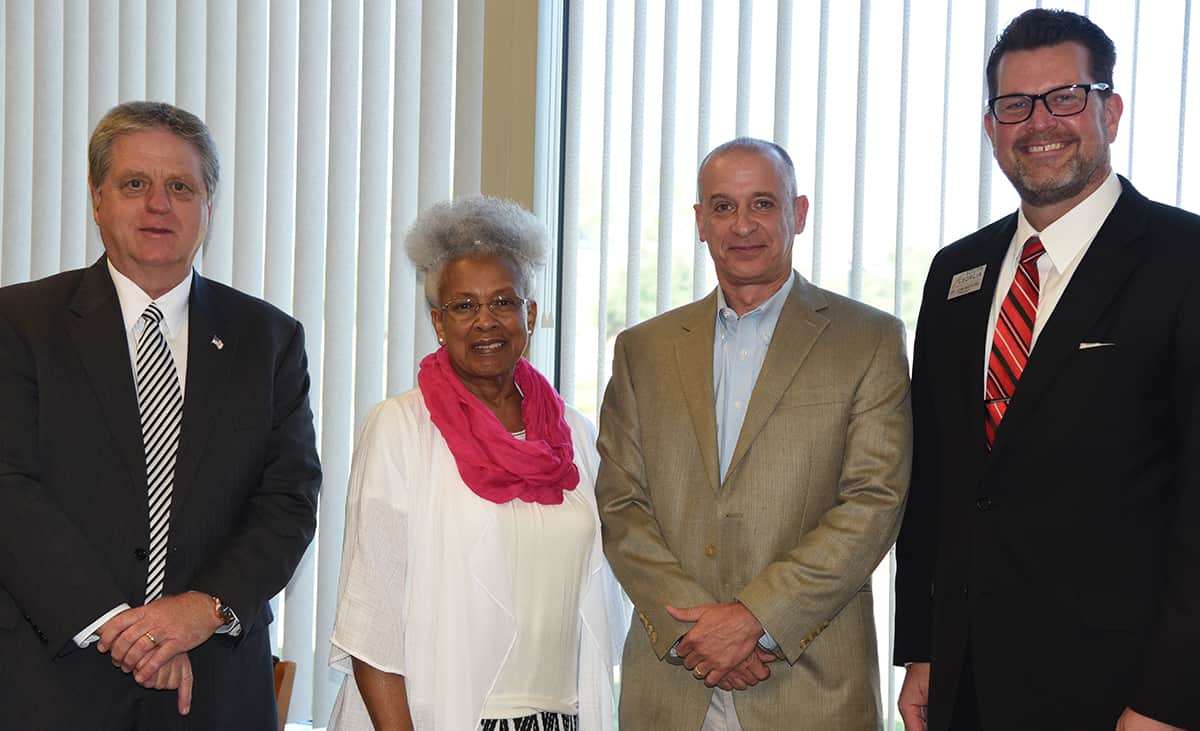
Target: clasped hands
722 648
152 641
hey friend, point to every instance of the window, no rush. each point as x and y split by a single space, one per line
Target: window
880 105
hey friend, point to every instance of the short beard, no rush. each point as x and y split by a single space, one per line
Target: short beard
1080 172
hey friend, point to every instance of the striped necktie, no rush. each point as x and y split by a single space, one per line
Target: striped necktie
161 405
1013 337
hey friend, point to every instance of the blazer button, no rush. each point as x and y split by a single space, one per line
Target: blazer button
710 550
984 504
139 554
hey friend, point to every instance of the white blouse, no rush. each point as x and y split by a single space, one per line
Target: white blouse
547 549
428 591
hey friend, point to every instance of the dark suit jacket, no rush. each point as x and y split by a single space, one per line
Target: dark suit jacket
1069 557
73 514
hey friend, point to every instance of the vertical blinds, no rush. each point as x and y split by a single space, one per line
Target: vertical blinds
339 121
336 123
880 105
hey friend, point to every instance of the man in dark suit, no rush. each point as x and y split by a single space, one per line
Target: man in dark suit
158 470
1049 556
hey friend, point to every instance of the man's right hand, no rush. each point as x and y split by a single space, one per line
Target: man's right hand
914 697
722 637
176 674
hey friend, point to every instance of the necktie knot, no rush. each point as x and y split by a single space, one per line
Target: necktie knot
1032 252
152 315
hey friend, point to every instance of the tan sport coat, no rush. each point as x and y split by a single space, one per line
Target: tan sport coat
812 501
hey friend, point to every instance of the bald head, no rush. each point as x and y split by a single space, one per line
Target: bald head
778 155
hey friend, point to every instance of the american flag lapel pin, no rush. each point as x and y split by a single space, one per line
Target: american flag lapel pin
218 343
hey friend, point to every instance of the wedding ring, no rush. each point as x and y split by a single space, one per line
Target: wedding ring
151 638
699 675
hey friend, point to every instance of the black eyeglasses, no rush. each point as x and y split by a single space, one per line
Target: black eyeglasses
465 310
1063 101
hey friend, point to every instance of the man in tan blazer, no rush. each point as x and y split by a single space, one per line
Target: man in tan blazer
755 460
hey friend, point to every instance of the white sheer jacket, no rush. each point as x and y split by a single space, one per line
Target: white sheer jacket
425 589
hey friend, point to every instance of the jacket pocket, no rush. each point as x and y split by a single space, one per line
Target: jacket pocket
815 396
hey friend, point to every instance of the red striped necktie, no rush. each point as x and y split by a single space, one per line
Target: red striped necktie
1013 337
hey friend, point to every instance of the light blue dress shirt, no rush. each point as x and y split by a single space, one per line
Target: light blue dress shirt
739 349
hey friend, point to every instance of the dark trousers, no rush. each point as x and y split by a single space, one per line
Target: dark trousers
966 703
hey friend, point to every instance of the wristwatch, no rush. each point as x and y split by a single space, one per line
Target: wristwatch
224 614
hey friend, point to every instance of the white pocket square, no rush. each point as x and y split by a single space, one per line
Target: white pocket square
1089 346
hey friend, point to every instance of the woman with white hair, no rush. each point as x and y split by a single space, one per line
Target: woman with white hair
474 593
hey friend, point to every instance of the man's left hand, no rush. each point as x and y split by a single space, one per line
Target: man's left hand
722 637
1131 720
144 638
750 672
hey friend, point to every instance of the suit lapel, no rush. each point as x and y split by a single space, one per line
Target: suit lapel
207 375
800 324
972 324
98 332
1106 264
694 356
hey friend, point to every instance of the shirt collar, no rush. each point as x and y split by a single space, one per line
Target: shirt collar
769 310
1069 236
174 304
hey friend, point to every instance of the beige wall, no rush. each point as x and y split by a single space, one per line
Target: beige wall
509 89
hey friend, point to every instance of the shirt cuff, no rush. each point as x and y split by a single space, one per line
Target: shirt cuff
233 629
88 636
673 655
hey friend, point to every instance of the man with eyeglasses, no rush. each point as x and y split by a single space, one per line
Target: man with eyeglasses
1049 562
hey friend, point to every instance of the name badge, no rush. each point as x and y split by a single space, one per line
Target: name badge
966 282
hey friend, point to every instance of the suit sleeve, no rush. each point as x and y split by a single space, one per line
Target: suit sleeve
47 566
917 543
278 519
638 553
800 593
1168 684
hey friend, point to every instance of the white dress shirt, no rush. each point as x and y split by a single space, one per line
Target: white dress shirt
174 326
1066 241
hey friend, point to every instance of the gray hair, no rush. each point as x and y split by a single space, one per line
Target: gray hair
132 117
473 226
787 170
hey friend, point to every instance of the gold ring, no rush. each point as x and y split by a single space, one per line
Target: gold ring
699 675
151 638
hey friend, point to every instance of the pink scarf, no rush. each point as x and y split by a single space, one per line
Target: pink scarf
496 465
